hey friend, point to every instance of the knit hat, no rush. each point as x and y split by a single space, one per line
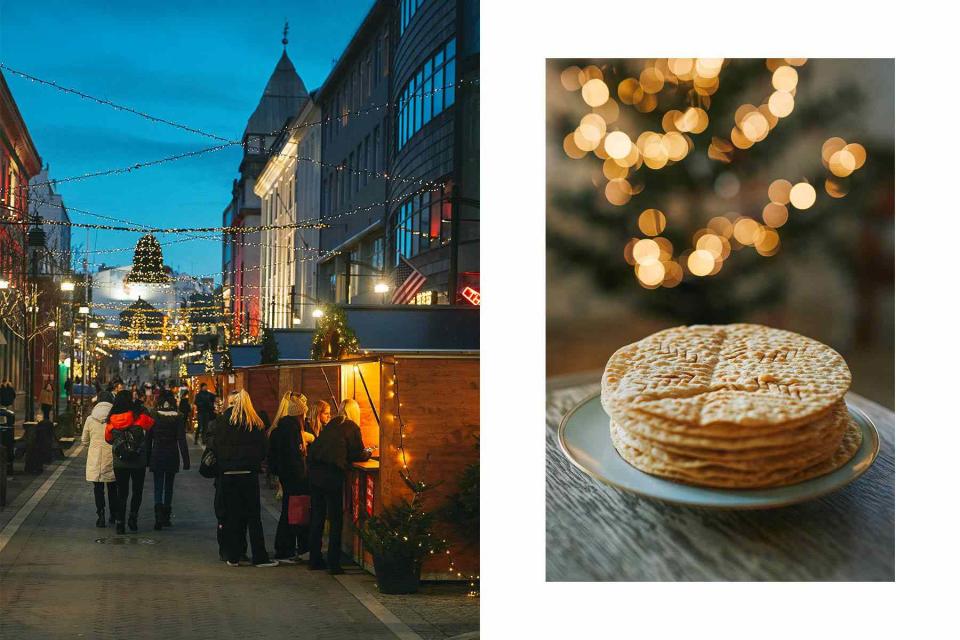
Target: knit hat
297 405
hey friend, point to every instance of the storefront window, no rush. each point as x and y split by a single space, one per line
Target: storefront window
429 91
422 222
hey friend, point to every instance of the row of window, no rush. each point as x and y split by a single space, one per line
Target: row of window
341 183
407 9
372 67
430 90
422 222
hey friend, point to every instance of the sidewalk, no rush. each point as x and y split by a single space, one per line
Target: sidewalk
62 577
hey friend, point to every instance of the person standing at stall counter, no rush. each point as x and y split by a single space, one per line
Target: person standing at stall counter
338 445
205 402
286 459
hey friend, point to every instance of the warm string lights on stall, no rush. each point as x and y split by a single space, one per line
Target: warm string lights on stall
419 486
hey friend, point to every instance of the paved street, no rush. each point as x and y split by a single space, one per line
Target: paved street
59 581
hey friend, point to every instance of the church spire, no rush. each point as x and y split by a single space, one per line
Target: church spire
286 30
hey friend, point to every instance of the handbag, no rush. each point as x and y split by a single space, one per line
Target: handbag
208 464
298 511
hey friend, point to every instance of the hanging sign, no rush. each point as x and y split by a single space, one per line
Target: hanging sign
369 494
471 295
355 503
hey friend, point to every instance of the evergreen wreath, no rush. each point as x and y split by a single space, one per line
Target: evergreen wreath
333 337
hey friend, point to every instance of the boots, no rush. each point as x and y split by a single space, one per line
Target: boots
157 517
132 521
101 522
121 528
166 515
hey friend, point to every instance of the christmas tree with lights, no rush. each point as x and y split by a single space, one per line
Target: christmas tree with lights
148 263
333 337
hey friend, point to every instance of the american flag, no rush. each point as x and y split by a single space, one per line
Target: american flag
407 281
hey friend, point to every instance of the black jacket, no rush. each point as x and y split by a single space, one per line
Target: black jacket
184 407
238 449
169 443
286 442
205 402
338 444
8 396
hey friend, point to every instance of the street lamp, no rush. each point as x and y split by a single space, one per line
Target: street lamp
382 288
317 313
67 285
296 320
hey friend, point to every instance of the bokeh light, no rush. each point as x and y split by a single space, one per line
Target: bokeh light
775 215
779 191
803 195
595 92
652 222
700 262
784 79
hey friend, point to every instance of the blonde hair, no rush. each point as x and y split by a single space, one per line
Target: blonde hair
319 407
351 410
290 398
243 415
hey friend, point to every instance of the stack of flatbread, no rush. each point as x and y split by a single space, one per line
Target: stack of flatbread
738 406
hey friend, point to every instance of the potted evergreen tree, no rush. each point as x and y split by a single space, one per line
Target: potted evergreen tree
400 538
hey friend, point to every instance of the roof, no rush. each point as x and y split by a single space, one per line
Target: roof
282 97
378 12
14 127
391 329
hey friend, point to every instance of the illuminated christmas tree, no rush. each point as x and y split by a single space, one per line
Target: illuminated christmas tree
333 337
148 263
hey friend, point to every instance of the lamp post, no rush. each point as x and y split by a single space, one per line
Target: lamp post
382 288
36 243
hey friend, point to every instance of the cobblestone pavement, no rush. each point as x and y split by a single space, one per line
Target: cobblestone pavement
58 581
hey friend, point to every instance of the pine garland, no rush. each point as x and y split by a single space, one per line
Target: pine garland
333 337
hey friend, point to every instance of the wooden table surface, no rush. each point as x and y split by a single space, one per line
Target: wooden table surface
597 532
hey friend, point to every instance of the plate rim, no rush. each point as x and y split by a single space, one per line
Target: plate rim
867 423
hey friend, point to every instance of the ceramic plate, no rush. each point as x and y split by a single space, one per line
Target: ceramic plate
584 437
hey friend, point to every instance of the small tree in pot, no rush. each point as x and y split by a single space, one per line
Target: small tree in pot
400 538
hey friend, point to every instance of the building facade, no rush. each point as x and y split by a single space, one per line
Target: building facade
19 162
289 190
354 104
282 98
435 137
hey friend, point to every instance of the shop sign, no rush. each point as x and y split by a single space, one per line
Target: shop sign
355 502
369 495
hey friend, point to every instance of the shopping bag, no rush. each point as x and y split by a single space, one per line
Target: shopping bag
298 511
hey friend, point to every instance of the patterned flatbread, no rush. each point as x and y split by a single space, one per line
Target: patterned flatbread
739 374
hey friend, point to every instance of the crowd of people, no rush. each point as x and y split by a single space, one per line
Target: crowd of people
305 447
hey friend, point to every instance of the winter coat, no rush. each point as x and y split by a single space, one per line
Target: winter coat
339 444
286 451
8 396
99 453
121 421
168 443
46 396
184 408
205 402
236 448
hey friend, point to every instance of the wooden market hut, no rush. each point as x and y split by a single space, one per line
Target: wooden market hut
426 358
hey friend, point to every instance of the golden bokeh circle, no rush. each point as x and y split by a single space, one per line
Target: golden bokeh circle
571 149
595 92
593 127
744 230
652 222
651 80
775 215
779 191
835 188
646 248
650 271
570 79
803 195
626 90
785 79
859 154
721 226
701 262
618 192
613 171
617 144
781 103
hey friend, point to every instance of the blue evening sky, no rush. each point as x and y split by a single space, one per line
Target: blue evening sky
203 64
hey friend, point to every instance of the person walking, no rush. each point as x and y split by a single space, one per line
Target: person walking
205 403
130 456
46 399
240 447
338 445
100 459
184 406
168 445
287 463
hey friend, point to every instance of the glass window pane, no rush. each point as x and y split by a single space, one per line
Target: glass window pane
438 96
452 48
449 80
427 99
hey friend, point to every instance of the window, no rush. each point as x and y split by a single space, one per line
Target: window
430 90
376 259
407 9
422 222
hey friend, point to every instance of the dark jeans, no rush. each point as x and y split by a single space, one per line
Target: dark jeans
326 504
163 487
47 408
111 495
124 479
240 500
290 540
203 418
221 514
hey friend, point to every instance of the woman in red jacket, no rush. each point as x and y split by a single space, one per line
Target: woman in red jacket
130 464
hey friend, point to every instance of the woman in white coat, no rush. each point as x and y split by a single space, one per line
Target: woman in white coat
100 458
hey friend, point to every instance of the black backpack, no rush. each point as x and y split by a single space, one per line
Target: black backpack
129 444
